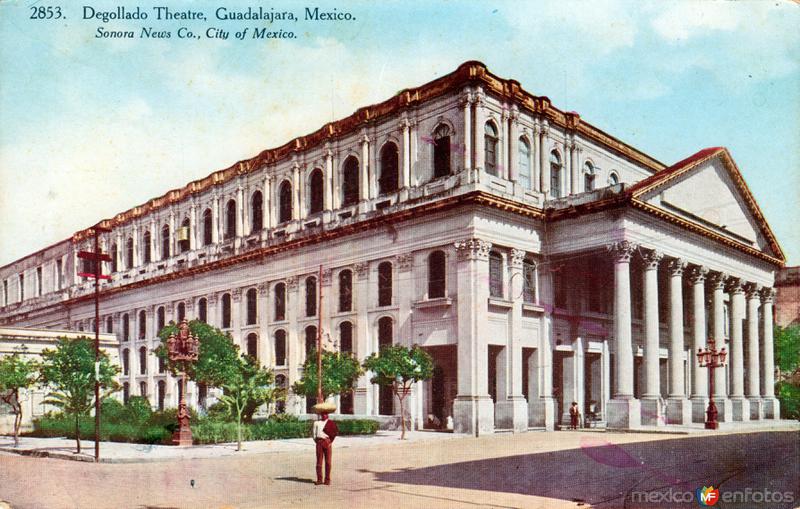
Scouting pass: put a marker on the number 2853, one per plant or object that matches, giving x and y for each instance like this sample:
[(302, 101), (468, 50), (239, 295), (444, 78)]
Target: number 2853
[(46, 12)]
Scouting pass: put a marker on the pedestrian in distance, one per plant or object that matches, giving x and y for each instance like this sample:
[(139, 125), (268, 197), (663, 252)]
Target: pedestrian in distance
[(574, 415), (324, 433)]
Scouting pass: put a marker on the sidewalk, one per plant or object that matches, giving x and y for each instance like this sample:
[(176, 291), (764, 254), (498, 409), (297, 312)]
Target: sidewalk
[(117, 452)]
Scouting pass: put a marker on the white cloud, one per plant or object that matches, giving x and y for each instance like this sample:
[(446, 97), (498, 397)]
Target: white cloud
[(683, 20)]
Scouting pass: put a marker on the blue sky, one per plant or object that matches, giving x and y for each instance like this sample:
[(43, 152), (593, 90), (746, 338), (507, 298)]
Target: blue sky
[(91, 127)]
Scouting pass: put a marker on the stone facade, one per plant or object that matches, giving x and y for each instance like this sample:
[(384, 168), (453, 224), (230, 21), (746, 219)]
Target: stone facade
[(537, 258)]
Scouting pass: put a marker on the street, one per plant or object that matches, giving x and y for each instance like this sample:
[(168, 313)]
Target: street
[(537, 469)]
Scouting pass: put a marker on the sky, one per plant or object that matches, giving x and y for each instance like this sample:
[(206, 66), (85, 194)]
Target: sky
[(92, 126)]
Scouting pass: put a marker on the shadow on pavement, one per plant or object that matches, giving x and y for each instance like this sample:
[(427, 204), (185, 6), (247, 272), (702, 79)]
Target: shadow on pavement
[(604, 474), (295, 479)]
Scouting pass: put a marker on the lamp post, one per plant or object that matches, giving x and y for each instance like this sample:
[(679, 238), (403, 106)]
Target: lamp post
[(183, 349), (711, 358)]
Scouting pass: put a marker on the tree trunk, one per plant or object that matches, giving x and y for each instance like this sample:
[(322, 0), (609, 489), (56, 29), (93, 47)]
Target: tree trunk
[(401, 396), (17, 418), (239, 430), (78, 433)]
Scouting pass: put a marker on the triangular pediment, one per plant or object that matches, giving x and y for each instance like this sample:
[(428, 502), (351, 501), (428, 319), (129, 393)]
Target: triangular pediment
[(708, 191)]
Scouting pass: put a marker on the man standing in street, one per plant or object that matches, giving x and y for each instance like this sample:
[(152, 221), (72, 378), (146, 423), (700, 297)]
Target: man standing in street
[(324, 433)]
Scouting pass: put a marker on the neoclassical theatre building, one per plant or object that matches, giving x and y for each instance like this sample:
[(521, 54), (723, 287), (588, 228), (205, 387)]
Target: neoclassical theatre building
[(537, 258)]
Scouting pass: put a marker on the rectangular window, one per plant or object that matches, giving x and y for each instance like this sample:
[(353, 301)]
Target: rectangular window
[(59, 274), (5, 292), (496, 275), (529, 281), (491, 156), (39, 281), (560, 290), (21, 287)]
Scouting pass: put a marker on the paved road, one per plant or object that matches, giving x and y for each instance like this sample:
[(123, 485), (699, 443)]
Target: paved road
[(531, 470)]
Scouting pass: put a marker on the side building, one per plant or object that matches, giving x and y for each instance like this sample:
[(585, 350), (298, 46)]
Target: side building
[(537, 258)]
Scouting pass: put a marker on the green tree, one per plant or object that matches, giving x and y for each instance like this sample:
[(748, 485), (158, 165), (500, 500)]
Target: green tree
[(217, 355), (247, 386), (787, 360), (400, 367), (69, 371), (17, 373), (340, 371)]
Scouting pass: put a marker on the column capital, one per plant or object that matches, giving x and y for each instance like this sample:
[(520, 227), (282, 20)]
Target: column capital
[(404, 261), (473, 249), (212, 299), (697, 274), (236, 294), (621, 251), (365, 139), (467, 99), (734, 285), (263, 289), (752, 290), (361, 269), (292, 283), (767, 295), (326, 276), (717, 280), (169, 307), (651, 259), (517, 257), (675, 266)]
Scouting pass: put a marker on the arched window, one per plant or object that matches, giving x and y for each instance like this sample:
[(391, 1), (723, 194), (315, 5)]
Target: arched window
[(207, 227), (143, 360), (495, 274), (109, 325), (162, 394), (311, 340), (126, 392), (126, 362), (252, 306), (436, 275), (385, 284), (257, 212), (226, 311), (345, 337), (280, 302), (316, 192), (252, 345), (613, 178), (524, 163), (588, 176), (350, 181), (129, 253), (285, 202), (202, 310), (555, 174), (280, 383), (113, 254), (529, 281), (387, 182), (181, 311), (490, 148), (441, 151), (183, 238), (142, 324), (280, 347), (230, 219), (162, 364), (385, 339), (146, 241), (126, 327), (165, 250), (311, 296), (345, 290), (161, 317), (143, 389)]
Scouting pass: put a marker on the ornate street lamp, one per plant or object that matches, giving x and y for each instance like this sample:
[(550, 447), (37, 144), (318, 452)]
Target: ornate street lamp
[(183, 349), (711, 358)]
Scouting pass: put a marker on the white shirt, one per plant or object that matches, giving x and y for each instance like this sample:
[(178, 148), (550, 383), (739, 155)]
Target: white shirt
[(317, 429)]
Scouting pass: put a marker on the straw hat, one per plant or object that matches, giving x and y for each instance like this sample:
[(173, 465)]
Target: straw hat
[(326, 407)]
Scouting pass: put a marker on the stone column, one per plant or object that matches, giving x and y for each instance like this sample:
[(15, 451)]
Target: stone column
[(512, 144), (295, 191), (502, 147), (679, 409), (478, 130), (193, 230), (697, 276), (753, 362), (542, 410), (511, 409), (473, 409), (406, 154), (573, 168), (265, 354), (302, 209), (466, 105), (723, 404), (172, 246), (328, 196), (403, 297), (136, 258), (740, 405), (651, 406), (771, 404), (544, 164), (213, 316), (363, 184), (361, 333), (215, 218), (536, 168), (266, 209), (239, 209), (624, 411), (236, 315)]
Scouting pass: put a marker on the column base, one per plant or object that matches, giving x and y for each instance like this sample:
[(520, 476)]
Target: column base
[(724, 409), (756, 408), (699, 407), (624, 413), (542, 413), (473, 415), (772, 408), (741, 409), (679, 411), (652, 412), (511, 413), (360, 401)]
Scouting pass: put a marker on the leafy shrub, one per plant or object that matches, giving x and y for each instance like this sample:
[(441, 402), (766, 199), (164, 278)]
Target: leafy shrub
[(284, 418), (215, 432), (137, 411), (219, 412), (112, 410), (357, 427), (273, 430)]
